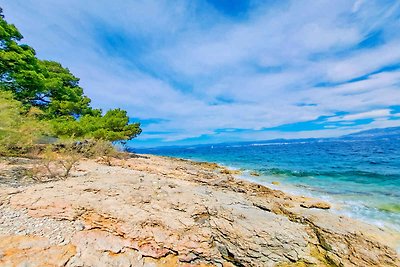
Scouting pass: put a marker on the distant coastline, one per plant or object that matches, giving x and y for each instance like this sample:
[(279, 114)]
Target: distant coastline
[(372, 134)]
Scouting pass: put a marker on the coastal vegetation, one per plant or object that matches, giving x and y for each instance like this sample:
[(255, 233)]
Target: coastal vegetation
[(41, 102)]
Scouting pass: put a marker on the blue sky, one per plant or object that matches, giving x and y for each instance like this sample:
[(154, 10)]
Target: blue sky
[(217, 71)]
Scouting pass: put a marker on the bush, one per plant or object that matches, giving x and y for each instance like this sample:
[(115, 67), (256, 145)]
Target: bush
[(19, 130), (58, 160), (113, 126)]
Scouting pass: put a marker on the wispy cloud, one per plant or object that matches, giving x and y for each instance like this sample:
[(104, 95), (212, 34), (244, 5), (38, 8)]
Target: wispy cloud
[(190, 70), (373, 114)]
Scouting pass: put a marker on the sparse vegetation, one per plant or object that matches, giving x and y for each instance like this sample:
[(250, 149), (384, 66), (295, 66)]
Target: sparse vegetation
[(105, 151), (57, 161), (19, 130)]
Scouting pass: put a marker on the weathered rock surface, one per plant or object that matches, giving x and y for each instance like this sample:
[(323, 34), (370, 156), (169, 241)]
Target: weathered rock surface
[(155, 211)]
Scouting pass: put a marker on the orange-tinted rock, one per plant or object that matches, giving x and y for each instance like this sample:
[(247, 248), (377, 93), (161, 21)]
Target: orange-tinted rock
[(100, 240), (316, 205), (254, 174), (227, 171), (33, 251)]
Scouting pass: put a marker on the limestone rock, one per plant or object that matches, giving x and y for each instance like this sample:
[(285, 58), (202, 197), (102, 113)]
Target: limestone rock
[(33, 251), (156, 211), (316, 205)]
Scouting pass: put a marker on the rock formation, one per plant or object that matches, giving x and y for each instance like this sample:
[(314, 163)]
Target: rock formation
[(157, 211)]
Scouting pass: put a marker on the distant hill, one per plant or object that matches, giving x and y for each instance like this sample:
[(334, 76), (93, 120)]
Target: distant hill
[(392, 132), (373, 134)]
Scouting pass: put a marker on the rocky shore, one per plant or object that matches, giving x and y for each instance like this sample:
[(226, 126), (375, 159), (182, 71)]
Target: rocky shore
[(158, 211)]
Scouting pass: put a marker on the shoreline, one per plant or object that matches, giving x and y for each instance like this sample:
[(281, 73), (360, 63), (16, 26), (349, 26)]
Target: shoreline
[(170, 212), (335, 207), (338, 205)]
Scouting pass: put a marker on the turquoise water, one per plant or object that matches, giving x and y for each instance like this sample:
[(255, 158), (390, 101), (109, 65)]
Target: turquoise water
[(362, 177)]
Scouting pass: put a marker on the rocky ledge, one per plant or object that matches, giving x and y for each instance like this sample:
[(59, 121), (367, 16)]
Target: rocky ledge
[(156, 211)]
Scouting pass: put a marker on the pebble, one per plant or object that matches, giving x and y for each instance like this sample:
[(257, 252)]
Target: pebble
[(79, 226), (18, 222)]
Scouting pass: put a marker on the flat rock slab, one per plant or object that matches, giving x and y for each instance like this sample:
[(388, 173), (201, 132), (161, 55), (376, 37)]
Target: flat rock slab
[(157, 211)]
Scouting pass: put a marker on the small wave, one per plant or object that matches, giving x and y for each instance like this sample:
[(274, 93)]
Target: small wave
[(303, 173)]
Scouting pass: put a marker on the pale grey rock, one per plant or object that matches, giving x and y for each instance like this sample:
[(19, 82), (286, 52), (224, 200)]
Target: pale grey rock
[(156, 211)]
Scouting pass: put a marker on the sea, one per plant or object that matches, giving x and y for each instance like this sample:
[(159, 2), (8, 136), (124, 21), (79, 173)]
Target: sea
[(360, 177)]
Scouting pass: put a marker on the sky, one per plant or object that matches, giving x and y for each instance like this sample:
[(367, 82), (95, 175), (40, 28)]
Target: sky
[(219, 71)]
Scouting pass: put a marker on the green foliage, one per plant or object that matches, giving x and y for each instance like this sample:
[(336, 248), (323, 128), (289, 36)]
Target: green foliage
[(113, 126), (44, 84), (18, 131), (61, 95), (41, 83), (49, 87)]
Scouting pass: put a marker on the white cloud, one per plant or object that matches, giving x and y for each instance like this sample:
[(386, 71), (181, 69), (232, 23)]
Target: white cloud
[(198, 71), (379, 90), (357, 4), (364, 62), (373, 114)]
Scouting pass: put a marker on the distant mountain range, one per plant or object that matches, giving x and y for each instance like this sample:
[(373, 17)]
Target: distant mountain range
[(392, 133), (382, 133)]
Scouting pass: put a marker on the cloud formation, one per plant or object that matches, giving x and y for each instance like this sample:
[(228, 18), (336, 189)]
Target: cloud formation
[(202, 71)]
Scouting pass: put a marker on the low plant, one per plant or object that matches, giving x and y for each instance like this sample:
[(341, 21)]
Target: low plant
[(19, 129), (56, 162), (104, 151)]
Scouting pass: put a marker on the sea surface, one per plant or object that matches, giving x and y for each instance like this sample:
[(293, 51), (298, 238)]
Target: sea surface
[(361, 177)]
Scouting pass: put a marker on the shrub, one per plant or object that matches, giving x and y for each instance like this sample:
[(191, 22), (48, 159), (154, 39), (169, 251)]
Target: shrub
[(19, 130)]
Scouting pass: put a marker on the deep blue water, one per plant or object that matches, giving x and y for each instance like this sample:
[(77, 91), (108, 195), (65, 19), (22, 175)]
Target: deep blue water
[(362, 177)]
